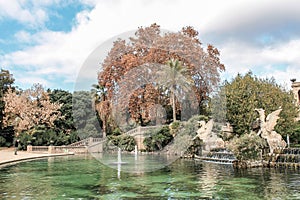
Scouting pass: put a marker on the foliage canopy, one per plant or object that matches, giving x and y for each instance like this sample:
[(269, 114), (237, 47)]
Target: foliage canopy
[(151, 47), (245, 93)]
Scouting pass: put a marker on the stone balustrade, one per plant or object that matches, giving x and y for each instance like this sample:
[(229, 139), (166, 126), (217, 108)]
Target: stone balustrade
[(56, 149)]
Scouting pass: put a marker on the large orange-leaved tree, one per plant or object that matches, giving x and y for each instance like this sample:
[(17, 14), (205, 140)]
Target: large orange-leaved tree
[(151, 47)]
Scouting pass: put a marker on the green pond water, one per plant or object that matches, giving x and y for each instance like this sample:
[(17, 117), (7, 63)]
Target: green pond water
[(84, 177)]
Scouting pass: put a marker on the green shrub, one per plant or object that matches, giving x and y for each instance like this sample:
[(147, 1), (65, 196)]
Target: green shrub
[(2, 141), (44, 136), (294, 134), (195, 147), (8, 134), (116, 132), (25, 139), (125, 142), (175, 125), (247, 146), (158, 140)]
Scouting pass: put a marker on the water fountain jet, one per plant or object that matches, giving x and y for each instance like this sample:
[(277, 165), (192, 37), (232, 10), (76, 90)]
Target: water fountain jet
[(135, 152), (119, 161)]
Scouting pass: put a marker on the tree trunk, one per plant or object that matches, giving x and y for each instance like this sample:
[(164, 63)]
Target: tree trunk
[(174, 106), (104, 129)]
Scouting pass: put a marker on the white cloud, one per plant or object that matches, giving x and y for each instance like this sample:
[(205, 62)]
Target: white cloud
[(285, 52), (23, 37), (19, 11), (34, 13), (30, 80), (231, 25), (248, 19), (284, 76), (280, 61)]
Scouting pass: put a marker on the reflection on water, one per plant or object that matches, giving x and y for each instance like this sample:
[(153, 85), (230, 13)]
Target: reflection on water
[(133, 163), (80, 177)]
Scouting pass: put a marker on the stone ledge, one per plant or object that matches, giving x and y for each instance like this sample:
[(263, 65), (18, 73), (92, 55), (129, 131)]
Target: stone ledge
[(28, 157)]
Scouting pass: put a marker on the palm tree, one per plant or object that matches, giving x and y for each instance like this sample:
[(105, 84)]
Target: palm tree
[(99, 93), (174, 77), (101, 105)]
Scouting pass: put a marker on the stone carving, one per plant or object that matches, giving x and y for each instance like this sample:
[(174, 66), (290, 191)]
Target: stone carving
[(210, 139), (267, 132), (205, 129)]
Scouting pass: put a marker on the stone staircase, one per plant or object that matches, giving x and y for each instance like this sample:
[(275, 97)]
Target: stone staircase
[(97, 144), (141, 130), (90, 141), (91, 144), (140, 133)]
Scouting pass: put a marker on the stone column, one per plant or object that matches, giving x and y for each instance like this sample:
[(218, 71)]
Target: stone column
[(29, 148), (296, 91), (139, 140), (51, 149), (90, 141)]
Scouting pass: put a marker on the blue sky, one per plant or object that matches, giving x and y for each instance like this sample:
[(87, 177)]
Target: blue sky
[(49, 41)]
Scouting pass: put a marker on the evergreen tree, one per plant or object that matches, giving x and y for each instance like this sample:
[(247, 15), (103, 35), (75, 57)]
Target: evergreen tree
[(245, 93), (65, 98), (6, 133), (6, 81)]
